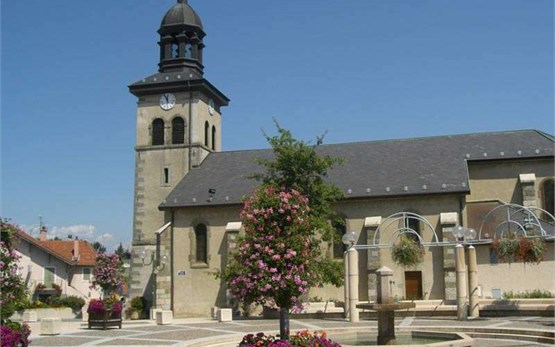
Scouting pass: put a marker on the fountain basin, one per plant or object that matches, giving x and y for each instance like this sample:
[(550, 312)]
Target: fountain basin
[(386, 307), (413, 339)]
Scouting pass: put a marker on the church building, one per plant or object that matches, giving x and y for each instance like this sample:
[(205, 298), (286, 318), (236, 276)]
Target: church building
[(188, 193)]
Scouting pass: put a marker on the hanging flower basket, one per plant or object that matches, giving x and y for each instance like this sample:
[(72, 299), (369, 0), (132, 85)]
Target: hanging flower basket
[(407, 252), (512, 249)]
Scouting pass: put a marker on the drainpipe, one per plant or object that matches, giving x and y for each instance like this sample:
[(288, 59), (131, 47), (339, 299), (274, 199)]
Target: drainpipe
[(190, 125)]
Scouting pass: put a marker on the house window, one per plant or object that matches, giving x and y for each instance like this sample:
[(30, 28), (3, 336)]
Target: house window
[(338, 246), (213, 138), (157, 132), (547, 197), (206, 131), (86, 274), (178, 130), (201, 244), (49, 276)]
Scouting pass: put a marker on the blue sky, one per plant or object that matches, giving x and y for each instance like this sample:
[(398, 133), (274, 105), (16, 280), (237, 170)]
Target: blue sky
[(359, 69)]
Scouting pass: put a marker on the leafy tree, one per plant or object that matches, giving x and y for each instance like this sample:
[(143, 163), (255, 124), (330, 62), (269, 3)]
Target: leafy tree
[(298, 166), (99, 247), (122, 252)]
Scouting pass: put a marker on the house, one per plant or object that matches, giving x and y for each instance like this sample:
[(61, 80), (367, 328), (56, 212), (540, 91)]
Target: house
[(49, 264), (188, 193)]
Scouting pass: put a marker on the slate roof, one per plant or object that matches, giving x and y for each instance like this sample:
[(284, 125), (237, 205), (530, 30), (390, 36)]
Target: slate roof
[(414, 166), (63, 250)]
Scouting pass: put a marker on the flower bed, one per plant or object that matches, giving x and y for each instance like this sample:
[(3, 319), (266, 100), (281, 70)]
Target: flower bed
[(301, 339)]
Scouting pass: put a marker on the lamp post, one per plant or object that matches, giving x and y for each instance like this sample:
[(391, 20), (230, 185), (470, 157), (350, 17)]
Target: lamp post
[(159, 265), (351, 276), (466, 235)]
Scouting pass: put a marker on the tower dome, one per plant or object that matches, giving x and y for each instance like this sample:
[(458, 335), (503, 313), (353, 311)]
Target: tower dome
[(181, 14), (181, 35)]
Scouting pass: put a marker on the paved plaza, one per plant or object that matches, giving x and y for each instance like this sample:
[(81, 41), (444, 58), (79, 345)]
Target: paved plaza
[(207, 332)]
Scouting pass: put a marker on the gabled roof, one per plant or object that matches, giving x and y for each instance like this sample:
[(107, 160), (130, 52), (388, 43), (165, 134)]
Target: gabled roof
[(63, 250), (430, 165)]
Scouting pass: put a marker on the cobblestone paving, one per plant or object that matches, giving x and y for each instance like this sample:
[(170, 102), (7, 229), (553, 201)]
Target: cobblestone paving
[(188, 332)]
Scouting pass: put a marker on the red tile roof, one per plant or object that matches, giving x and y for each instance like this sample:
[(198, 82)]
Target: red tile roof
[(63, 250)]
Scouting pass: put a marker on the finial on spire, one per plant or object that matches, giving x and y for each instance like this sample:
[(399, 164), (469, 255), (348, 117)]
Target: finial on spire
[(182, 2)]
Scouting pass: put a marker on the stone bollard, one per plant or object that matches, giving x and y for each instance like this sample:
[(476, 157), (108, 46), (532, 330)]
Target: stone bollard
[(225, 315), (164, 317), (153, 312), (50, 326)]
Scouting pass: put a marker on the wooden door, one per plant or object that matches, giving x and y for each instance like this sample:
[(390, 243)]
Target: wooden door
[(413, 285)]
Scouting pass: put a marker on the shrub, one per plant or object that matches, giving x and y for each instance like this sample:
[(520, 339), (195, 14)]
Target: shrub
[(407, 252), (74, 302), (528, 294), (137, 303)]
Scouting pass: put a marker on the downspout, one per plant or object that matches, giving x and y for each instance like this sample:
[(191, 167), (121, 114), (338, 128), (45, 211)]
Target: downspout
[(190, 164), (172, 245)]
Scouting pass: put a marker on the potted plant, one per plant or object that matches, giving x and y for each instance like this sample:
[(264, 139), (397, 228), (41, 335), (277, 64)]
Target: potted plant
[(135, 309), (506, 248), (108, 275), (105, 313), (407, 252)]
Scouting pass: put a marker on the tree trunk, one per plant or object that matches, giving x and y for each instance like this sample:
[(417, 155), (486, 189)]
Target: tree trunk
[(283, 323)]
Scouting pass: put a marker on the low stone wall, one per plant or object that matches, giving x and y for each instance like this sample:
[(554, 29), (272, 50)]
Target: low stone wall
[(62, 313)]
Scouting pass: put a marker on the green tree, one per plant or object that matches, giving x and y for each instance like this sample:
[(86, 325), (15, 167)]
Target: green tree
[(297, 165), (122, 252), (99, 248)]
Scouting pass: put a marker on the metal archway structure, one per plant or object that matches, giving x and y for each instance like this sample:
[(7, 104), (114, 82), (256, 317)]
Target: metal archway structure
[(398, 224), (516, 219)]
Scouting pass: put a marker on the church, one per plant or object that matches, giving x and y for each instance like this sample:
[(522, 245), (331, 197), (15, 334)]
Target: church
[(188, 194)]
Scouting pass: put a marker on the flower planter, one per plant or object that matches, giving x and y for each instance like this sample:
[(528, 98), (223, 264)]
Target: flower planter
[(105, 319)]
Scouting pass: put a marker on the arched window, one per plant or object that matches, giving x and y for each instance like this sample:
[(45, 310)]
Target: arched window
[(201, 244), (213, 138), (547, 196), (175, 50), (178, 130), (206, 131), (157, 132), (338, 246), (411, 222)]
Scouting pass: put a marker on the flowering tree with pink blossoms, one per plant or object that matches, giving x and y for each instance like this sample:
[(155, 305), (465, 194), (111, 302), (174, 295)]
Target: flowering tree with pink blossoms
[(14, 292), (273, 264), (108, 272)]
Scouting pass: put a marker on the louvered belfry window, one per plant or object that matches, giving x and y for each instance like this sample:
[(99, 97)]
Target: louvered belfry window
[(178, 130), (157, 132)]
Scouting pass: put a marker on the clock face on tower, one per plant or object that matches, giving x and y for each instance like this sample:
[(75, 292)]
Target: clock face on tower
[(167, 101)]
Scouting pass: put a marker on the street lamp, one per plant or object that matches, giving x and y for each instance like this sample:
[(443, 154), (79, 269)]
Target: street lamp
[(466, 235), (351, 276)]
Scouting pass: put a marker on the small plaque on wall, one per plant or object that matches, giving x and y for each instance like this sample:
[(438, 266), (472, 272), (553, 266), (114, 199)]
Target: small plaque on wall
[(181, 273)]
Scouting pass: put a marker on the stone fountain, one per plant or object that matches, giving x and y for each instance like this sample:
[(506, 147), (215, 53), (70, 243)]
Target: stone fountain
[(385, 306)]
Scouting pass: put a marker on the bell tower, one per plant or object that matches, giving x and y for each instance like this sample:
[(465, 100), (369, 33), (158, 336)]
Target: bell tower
[(178, 125)]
